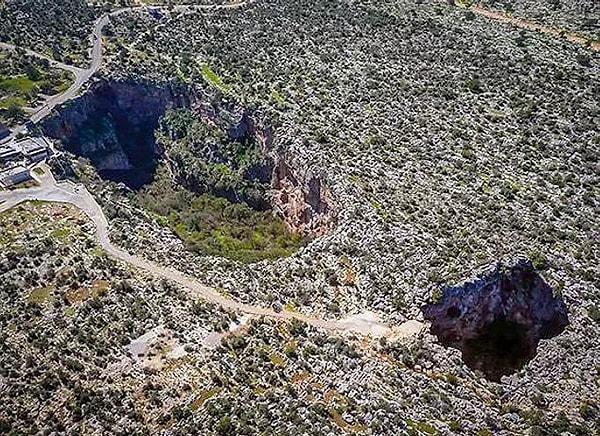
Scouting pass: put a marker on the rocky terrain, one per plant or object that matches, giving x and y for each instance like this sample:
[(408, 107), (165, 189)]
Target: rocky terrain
[(472, 170), (215, 148), (59, 28), (91, 347), (113, 125), (581, 16), (417, 144), (498, 321)]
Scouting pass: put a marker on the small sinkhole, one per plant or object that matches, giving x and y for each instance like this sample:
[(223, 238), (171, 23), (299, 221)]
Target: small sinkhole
[(498, 319)]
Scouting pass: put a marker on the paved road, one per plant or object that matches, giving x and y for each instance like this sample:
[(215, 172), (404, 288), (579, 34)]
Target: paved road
[(83, 75), (66, 192)]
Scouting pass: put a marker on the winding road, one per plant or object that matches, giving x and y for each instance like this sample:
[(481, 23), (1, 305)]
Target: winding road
[(83, 75), (77, 195), (531, 25), (66, 192)]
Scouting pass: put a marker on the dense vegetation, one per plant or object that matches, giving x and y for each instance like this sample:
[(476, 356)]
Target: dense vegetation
[(215, 226), (451, 141), (70, 316), (22, 79), (216, 155), (212, 189), (59, 29)]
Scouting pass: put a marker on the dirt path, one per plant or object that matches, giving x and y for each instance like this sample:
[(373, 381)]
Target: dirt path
[(366, 323), (531, 25)]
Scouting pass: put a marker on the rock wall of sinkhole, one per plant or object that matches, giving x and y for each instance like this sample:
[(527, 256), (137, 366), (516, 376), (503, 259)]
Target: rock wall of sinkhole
[(498, 319), (113, 124)]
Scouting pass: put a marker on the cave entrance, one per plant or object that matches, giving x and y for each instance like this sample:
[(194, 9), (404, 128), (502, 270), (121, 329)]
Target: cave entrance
[(113, 126), (502, 347), (498, 319)]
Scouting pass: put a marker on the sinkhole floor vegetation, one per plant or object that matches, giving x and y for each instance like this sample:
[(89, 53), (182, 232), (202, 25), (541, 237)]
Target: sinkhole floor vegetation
[(215, 226)]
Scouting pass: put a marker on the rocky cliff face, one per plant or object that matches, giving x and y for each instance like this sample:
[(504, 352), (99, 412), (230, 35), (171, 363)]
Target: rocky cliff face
[(498, 320), (304, 203), (113, 125)]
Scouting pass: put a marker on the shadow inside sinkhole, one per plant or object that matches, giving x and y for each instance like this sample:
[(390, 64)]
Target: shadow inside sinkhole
[(498, 319)]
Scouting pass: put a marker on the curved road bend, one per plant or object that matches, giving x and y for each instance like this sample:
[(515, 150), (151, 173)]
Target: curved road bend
[(80, 197), (66, 192), (82, 75)]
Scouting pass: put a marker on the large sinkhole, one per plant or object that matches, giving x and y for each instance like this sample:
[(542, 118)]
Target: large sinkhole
[(203, 165), (113, 125), (498, 319)]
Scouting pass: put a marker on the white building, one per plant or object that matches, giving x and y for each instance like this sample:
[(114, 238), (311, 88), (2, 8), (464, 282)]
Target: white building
[(35, 149), (14, 176), (8, 153)]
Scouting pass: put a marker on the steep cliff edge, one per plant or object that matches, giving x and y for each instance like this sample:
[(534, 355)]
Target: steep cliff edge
[(113, 125), (304, 203), (498, 319), (210, 146)]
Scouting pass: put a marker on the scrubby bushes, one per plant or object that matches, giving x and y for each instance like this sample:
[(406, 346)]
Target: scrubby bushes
[(216, 226)]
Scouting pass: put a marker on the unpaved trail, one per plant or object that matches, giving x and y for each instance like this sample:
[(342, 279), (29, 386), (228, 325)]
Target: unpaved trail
[(66, 192), (531, 25)]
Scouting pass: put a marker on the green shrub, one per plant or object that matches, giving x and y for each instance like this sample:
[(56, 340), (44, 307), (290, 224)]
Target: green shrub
[(215, 226)]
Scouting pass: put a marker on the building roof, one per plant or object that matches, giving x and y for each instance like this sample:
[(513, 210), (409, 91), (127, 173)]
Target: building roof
[(33, 145), (13, 171), (8, 151)]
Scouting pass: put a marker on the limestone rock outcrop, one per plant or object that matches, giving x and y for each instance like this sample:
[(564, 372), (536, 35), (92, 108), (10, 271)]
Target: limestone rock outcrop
[(304, 203), (114, 123)]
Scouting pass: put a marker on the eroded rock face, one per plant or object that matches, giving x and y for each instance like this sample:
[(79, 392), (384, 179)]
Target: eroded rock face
[(498, 319), (113, 125), (305, 204)]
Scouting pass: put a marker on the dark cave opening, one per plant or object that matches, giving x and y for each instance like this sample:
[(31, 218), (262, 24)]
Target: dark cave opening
[(453, 312), (113, 125), (502, 347), (175, 146), (498, 319), (139, 146)]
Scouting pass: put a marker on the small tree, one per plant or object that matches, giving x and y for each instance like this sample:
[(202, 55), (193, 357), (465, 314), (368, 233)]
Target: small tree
[(15, 113)]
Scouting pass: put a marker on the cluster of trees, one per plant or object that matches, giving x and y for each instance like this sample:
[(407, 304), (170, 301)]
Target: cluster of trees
[(57, 348), (212, 188), (446, 132), (216, 226), (204, 158), (451, 141), (22, 79), (59, 28)]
